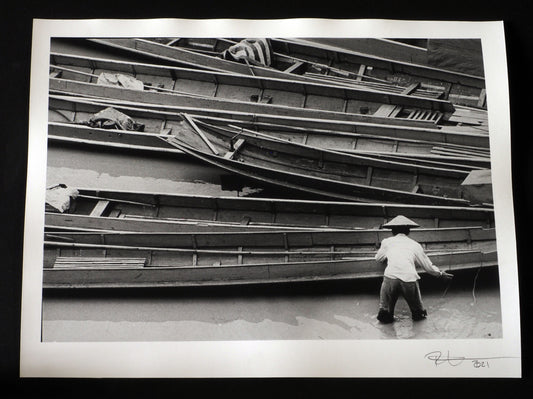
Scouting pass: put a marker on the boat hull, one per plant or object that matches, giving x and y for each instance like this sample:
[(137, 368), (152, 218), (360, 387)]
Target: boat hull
[(74, 108), (329, 174), (151, 212), (362, 103), (64, 278), (298, 55)]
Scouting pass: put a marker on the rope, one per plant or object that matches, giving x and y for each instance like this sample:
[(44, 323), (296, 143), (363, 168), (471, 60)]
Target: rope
[(474, 286), (237, 135), (447, 287), (249, 67), (449, 281)]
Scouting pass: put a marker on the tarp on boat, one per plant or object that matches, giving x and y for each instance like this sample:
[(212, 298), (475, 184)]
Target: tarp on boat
[(58, 197), (256, 51), (118, 79), (110, 118)]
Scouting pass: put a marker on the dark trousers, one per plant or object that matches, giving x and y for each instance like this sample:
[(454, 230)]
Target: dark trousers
[(391, 289)]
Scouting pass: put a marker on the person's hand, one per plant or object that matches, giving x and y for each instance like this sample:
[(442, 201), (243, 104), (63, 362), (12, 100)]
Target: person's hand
[(446, 276)]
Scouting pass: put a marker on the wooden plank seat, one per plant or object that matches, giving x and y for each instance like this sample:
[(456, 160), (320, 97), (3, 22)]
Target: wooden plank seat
[(388, 110), (411, 88), (115, 213), (82, 262), (295, 66), (236, 147), (100, 208)]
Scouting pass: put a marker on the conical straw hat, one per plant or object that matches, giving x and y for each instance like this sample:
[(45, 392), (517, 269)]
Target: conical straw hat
[(400, 220)]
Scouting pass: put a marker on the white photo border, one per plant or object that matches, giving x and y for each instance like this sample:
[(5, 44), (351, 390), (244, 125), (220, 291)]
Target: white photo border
[(309, 358)]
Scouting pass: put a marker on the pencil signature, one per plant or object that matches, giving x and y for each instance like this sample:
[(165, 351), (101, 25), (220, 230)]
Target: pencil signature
[(439, 358)]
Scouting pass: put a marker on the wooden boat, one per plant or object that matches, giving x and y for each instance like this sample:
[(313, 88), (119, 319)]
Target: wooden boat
[(326, 173), (78, 134), (383, 148), (460, 88), (87, 273), (194, 54), (158, 119), (314, 60), (168, 259), (418, 152), (324, 62), (297, 244), (140, 211), (206, 89)]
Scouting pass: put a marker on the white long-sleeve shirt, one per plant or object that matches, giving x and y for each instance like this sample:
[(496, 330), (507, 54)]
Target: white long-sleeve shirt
[(403, 254)]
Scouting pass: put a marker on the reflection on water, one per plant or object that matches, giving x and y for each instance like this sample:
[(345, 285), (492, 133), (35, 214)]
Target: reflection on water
[(346, 311), (79, 167), (92, 167), (456, 316)]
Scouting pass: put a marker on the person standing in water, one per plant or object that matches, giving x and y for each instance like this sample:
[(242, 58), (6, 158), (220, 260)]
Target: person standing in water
[(402, 255)]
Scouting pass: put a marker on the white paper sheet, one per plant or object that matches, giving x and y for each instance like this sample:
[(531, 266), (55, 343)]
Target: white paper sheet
[(292, 358)]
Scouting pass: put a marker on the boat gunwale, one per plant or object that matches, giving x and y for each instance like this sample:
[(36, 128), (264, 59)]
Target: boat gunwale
[(350, 53), (217, 105), (232, 253), (281, 264), (176, 111), (342, 232), (335, 156), (411, 68), (445, 161), (237, 167), (336, 273), (276, 204), (296, 86), (127, 140)]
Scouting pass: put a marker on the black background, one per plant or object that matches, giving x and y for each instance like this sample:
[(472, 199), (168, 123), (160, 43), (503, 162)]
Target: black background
[(15, 49)]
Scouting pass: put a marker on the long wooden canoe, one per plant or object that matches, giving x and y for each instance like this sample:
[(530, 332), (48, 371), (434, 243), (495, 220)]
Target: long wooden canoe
[(418, 152), (192, 53), (268, 245), (86, 273), (328, 54), (296, 56), (458, 86), (331, 174), (159, 212), (157, 118), (335, 64), (142, 259), (79, 75), (384, 148)]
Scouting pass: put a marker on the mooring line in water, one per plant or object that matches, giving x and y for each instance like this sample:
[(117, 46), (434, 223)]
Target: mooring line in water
[(446, 289), (449, 281), (474, 286)]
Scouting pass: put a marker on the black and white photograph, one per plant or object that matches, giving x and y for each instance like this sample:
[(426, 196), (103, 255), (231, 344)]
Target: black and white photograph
[(247, 192)]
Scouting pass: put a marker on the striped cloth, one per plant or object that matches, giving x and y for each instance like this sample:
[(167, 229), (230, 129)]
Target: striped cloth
[(255, 51)]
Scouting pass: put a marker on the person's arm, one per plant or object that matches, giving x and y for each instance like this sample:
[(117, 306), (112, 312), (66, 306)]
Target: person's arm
[(381, 255), (422, 260)]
